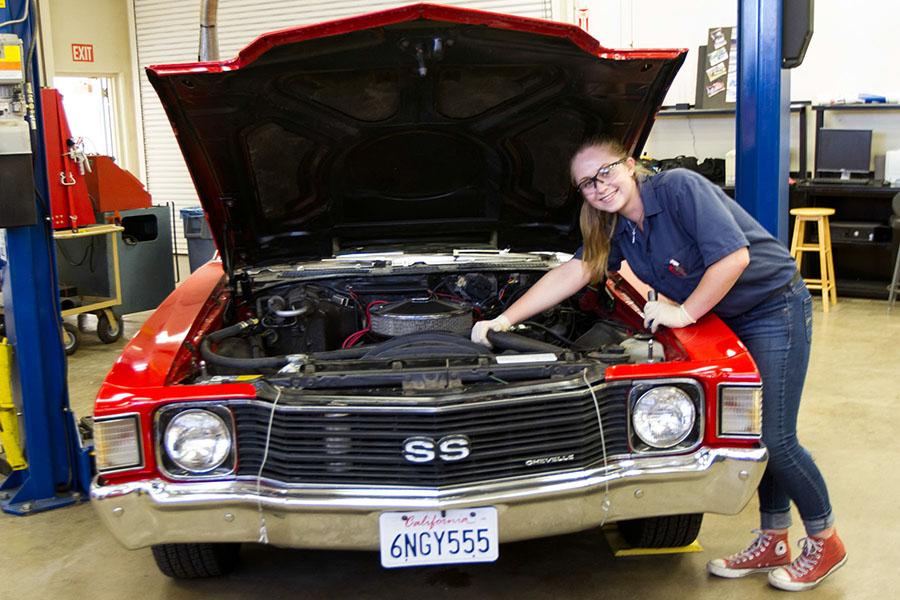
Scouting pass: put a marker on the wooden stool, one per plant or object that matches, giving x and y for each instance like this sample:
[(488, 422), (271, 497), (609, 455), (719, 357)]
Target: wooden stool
[(819, 216)]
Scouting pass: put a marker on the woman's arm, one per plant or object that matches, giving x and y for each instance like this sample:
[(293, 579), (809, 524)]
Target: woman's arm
[(555, 286), (718, 279)]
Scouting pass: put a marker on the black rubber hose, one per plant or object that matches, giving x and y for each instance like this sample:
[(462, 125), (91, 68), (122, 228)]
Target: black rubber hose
[(560, 338), (505, 340), (446, 340), (416, 345), (500, 340), (210, 356)]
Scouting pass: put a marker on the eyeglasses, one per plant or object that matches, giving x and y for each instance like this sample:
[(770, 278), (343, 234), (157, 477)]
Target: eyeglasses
[(589, 184)]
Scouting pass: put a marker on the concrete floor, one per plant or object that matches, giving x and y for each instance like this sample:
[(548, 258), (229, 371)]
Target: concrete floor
[(848, 421)]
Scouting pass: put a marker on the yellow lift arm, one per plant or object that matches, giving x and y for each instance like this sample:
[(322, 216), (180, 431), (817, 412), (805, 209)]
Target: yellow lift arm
[(9, 420)]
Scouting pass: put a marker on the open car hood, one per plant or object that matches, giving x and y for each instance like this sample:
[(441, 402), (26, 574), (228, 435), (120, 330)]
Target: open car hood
[(422, 125)]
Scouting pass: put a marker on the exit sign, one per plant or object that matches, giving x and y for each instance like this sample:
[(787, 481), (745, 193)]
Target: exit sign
[(82, 52)]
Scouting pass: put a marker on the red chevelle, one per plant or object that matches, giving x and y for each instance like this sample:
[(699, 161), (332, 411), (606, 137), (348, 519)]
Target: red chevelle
[(374, 186)]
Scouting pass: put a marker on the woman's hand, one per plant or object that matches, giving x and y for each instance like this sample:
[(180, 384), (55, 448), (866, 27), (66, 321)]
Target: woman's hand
[(553, 287), (662, 313), (481, 328)]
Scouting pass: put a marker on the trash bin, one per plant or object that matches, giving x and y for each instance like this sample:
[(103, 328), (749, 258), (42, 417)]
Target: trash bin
[(199, 239)]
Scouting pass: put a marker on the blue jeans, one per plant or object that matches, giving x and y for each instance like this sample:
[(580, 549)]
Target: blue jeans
[(778, 333)]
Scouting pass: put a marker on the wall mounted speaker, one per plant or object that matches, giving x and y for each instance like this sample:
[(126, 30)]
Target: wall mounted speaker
[(796, 31)]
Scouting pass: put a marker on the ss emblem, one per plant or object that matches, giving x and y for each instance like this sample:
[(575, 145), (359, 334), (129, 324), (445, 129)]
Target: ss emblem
[(422, 449)]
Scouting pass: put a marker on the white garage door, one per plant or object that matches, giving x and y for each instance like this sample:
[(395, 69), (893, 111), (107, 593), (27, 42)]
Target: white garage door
[(168, 32)]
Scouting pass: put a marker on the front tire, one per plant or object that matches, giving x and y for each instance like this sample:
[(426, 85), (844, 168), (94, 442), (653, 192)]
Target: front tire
[(196, 561), (661, 532)]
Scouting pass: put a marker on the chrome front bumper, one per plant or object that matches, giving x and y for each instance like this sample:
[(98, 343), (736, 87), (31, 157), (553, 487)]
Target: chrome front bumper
[(143, 513)]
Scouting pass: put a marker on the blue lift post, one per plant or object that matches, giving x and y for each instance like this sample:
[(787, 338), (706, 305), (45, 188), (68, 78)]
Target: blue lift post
[(58, 471), (763, 112)]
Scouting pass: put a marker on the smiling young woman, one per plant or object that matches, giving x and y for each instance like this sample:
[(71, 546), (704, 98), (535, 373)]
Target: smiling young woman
[(681, 235), (607, 179)]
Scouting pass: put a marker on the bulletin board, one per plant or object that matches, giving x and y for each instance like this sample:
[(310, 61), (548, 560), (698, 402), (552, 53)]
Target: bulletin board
[(717, 69)]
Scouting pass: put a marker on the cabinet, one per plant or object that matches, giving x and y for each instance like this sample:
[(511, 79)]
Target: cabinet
[(863, 268)]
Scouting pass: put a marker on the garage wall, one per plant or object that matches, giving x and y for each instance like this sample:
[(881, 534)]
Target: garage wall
[(103, 23), (852, 51), (168, 32)]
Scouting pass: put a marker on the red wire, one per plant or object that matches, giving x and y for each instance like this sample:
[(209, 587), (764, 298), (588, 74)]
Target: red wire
[(356, 336)]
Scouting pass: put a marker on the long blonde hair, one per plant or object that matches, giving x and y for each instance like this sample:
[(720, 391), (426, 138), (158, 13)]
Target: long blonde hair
[(597, 226)]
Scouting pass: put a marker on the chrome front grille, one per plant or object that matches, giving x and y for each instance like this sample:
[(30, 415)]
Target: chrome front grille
[(352, 446)]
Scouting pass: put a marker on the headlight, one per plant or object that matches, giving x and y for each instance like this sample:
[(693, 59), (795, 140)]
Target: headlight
[(197, 440), (740, 411), (117, 443), (663, 416)]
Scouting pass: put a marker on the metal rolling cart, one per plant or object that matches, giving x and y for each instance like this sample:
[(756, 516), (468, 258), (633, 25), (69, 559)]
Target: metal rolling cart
[(104, 285)]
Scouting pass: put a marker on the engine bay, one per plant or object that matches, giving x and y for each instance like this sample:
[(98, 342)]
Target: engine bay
[(352, 331)]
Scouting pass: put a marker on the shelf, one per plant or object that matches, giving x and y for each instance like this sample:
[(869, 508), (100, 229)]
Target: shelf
[(670, 111), (862, 244), (863, 268), (864, 288), (845, 189), (799, 107), (857, 106), (673, 112), (86, 231), (91, 304)]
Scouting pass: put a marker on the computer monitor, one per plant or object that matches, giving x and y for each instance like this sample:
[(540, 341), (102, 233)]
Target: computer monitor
[(840, 151)]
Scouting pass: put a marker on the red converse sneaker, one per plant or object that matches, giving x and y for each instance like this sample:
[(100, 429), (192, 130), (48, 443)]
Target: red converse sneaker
[(768, 551), (820, 558)]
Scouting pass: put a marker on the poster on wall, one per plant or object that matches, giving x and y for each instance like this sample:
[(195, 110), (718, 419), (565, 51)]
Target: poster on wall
[(717, 69)]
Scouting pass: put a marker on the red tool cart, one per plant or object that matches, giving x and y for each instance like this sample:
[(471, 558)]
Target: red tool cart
[(75, 225)]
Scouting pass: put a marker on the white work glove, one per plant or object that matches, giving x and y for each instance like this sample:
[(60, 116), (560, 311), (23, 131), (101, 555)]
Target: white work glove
[(663, 313), (481, 328)]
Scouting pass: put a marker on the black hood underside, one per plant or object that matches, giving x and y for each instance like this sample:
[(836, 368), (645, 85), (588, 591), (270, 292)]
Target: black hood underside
[(418, 131)]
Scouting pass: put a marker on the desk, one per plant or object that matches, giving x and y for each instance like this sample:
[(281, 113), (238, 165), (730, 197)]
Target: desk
[(821, 109), (863, 269)]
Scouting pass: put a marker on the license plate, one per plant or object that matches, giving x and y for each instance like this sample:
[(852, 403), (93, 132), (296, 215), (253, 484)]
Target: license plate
[(410, 539)]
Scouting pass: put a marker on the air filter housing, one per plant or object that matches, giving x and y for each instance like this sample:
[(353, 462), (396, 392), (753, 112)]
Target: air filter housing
[(416, 315)]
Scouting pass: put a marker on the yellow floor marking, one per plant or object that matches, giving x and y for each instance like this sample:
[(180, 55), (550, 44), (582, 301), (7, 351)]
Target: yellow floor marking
[(621, 548)]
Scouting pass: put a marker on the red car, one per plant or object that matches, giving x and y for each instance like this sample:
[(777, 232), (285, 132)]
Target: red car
[(374, 186)]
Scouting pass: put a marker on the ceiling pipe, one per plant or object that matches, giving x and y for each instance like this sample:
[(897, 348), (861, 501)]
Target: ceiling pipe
[(209, 39)]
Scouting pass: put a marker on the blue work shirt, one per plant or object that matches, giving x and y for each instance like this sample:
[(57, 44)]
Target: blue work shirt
[(689, 224)]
